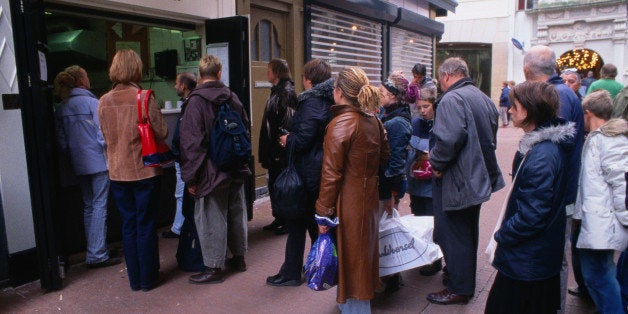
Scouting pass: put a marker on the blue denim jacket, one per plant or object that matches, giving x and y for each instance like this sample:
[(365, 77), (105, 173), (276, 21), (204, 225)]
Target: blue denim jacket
[(78, 132)]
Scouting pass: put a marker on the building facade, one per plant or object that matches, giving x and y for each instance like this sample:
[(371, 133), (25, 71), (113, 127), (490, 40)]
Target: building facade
[(483, 32), (40, 204)]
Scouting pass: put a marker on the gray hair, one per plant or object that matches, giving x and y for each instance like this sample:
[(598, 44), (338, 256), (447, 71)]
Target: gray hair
[(540, 60), (599, 103), (570, 72), (455, 66), (428, 93)]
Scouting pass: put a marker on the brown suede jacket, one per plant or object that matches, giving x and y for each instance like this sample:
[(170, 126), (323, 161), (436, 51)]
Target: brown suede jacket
[(117, 113)]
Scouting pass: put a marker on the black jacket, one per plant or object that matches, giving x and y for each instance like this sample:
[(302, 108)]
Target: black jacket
[(278, 112), (307, 131)]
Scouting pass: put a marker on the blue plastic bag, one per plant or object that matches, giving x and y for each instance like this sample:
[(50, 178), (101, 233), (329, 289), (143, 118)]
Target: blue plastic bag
[(321, 265)]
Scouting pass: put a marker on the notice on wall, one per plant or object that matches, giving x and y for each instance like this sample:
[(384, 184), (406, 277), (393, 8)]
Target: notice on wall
[(43, 66), (221, 50)]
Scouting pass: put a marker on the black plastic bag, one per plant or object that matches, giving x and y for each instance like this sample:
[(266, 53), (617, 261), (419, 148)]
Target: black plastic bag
[(289, 192)]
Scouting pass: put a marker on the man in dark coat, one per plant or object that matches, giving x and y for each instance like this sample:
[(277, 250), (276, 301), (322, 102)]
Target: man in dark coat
[(504, 104), (465, 174), (219, 208)]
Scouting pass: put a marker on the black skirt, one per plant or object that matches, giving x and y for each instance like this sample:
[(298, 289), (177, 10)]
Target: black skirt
[(515, 296)]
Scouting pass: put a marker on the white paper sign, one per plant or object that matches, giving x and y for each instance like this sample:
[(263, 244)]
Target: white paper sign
[(43, 67), (221, 50)]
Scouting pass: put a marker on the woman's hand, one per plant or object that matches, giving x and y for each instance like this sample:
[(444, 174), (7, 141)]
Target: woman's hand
[(388, 205), (322, 229), (283, 140)]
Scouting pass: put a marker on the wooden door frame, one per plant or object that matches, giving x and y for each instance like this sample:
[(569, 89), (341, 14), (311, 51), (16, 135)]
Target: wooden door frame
[(294, 36)]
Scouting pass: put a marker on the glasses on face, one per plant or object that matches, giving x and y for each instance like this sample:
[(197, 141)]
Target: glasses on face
[(570, 81)]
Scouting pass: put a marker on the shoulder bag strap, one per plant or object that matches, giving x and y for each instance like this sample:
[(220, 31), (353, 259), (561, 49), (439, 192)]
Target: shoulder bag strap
[(139, 105)]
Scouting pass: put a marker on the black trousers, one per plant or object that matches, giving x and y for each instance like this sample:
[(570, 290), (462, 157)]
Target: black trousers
[(273, 172), (295, 245), (515, 296), (575, 255), (457, 234)]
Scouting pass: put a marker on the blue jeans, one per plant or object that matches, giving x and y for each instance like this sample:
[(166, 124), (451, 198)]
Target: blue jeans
[(138, 203), (178, 195), (599, 273), (355, 306), (95, 190)]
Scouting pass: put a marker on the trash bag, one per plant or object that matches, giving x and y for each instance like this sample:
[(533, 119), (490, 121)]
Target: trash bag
[(321, 266)]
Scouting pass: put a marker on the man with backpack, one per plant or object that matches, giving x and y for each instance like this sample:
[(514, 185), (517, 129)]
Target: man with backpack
[(217, 186)]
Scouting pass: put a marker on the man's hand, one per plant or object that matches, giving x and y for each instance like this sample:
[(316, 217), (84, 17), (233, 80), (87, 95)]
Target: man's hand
[(192, 190), (437, 174)]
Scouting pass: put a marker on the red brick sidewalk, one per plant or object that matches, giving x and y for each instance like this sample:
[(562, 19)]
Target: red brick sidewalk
[(107, 290)]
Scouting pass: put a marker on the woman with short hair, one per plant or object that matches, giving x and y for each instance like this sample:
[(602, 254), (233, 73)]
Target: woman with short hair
[(531, 238), (304, 138), (135, 188)]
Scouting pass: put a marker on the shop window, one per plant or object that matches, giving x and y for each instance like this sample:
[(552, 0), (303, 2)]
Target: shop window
[(345, 40), (265, 45), (91, 43), (525, 5), (478, 58)]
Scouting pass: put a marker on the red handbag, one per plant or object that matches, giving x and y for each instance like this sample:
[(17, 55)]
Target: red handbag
[(154, 153)]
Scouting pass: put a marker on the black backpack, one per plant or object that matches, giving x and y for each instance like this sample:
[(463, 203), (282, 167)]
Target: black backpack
[(229, 144)]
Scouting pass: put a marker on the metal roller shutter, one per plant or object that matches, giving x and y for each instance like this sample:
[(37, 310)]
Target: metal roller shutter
[(345, 40), (408, 48)]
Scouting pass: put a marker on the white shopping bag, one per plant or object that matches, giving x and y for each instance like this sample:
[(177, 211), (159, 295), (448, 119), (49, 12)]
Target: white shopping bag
[(401, 248)]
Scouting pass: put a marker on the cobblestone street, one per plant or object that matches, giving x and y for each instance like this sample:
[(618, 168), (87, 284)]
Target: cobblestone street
[(107, 290)]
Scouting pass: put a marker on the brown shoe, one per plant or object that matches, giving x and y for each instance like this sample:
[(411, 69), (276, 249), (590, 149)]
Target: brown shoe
[(209, 275), (237, 263), (445, 297)]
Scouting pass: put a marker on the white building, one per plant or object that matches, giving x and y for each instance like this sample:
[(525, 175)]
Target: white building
[(563, 25)]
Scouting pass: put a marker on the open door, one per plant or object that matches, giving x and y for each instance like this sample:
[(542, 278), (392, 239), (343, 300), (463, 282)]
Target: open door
[(229, 39), (38, 124)]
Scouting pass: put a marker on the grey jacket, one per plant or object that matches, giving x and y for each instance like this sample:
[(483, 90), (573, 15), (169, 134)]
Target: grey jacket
[(78, 132), (464, 143)]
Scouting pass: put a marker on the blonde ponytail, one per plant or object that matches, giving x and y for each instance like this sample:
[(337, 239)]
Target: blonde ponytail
[(368, 98)]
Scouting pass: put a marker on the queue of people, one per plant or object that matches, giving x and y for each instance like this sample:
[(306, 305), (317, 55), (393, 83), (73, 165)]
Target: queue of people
[(358, 150)]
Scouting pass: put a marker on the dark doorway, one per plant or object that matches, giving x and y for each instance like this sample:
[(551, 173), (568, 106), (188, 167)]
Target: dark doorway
[(478, 58)]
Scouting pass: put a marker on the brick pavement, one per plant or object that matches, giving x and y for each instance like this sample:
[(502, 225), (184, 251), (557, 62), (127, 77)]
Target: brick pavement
[(107, 290)]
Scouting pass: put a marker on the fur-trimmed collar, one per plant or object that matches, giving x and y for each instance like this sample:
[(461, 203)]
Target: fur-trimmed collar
[(614, 127), (559, 133), (323, 90)]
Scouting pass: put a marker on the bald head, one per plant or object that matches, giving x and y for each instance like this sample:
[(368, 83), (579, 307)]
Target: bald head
[(539, 63)]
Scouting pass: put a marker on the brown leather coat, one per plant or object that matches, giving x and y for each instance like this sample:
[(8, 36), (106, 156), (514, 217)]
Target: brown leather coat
[(355, 146), (117, 114)]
